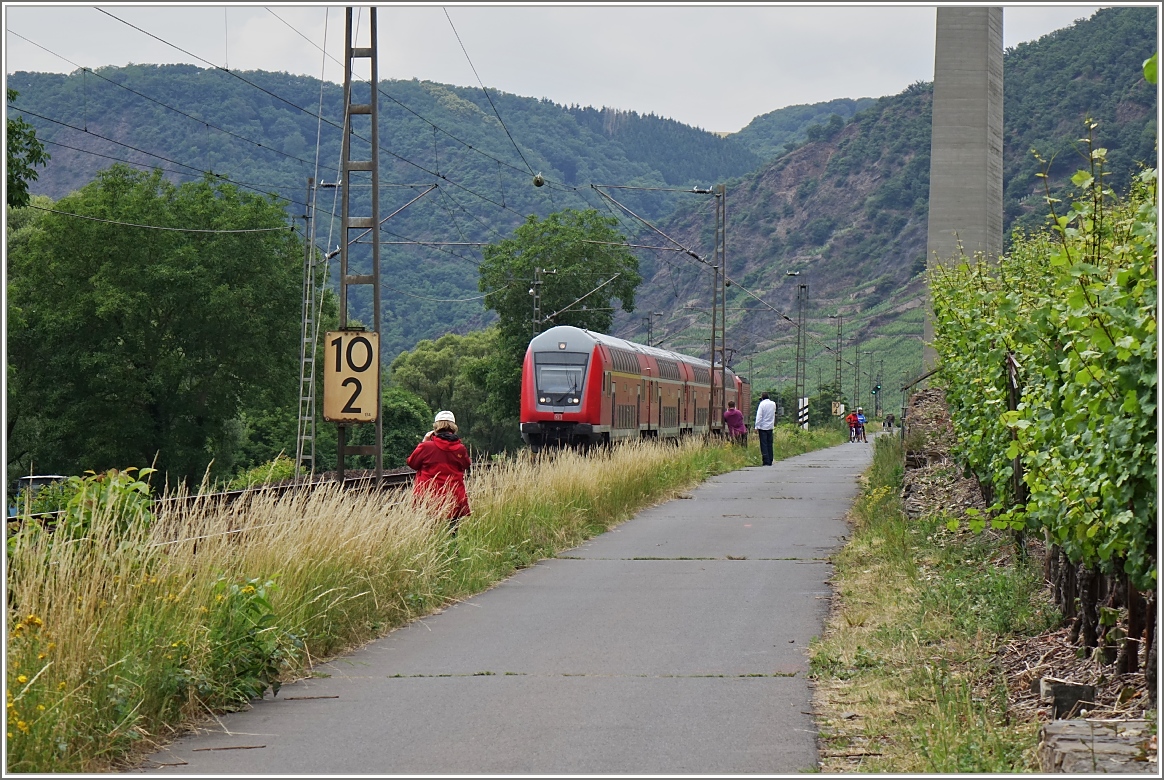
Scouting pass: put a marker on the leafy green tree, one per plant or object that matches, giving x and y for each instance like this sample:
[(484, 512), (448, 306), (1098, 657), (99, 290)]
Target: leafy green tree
[(128, 343), (587, 266), (406, 419), (447, 373), (24, 153)]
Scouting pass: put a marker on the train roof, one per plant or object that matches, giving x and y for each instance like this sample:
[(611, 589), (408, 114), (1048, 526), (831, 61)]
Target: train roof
[(549, 340)]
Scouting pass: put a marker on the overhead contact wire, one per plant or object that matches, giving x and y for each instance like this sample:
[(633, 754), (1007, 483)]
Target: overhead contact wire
[(418, 166)]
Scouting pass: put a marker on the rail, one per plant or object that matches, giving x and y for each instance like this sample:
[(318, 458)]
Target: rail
[(389, 480)]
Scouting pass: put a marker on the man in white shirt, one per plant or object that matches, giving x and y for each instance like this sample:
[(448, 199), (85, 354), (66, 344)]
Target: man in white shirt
[(765, 422)]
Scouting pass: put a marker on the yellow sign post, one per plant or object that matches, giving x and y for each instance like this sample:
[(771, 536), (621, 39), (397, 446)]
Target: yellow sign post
[(351, 376)]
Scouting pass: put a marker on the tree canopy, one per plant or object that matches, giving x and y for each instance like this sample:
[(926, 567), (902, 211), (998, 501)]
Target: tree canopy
[(127, 343), (586, 266), (24, 153)]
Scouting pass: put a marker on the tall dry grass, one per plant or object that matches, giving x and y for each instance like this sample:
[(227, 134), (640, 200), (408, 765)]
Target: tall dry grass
[(119, 637)]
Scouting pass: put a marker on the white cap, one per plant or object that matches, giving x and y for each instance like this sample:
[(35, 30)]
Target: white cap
[(445, 416), (859, 409)]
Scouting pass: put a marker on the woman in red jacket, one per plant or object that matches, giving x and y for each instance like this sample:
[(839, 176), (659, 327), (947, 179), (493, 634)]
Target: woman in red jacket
[(440, 462)]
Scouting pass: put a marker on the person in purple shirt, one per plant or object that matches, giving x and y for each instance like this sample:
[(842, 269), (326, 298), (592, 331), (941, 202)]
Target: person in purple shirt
[(734, 419)]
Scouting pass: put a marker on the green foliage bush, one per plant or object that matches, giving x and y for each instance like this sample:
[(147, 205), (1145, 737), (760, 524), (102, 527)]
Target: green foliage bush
[(277, 470), (1074, 309), (247, 650)]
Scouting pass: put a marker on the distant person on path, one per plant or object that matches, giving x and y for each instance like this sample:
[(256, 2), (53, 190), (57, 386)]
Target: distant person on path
[(861, 424), (440, 462), (889, 420), (852, 421), (765, 422), (734, 419)]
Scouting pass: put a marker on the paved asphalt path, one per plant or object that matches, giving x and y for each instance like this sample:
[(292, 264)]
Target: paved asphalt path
[(673, 644)]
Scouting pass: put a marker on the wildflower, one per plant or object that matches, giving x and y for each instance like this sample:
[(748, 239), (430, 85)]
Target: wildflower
[(52, 646), (61, 685), (175, 644), (10, 735), (33, 620), (40, 707), (22, 726), (22, 679), (41, 656), (249, 589), (203, 610)]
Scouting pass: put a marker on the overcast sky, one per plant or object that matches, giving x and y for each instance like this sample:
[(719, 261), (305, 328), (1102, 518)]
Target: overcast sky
[(714, 67)]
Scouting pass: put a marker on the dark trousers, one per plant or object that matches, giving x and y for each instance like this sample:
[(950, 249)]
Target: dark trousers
[(765, 445)]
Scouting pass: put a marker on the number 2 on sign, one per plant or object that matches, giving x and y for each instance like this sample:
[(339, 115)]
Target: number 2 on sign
[(350, 377)]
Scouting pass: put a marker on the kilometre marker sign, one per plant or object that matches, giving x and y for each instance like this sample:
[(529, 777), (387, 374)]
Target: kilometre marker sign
[(351, 374)]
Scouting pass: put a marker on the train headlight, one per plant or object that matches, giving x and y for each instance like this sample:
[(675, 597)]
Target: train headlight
[(542, 401), (573, 400)]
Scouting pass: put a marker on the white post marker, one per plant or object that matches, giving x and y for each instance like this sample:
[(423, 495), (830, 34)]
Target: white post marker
[(351, 376)]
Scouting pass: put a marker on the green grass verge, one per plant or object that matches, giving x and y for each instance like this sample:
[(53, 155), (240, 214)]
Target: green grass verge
[(905, 682), (119, 636)]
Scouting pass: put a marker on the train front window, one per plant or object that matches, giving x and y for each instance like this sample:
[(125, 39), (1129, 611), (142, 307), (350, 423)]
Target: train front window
[(560, 377)]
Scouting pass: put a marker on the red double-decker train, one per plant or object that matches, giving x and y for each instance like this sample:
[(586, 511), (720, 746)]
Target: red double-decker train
[(582, 388)]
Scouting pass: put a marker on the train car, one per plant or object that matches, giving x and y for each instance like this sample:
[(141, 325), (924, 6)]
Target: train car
[(583, 388)]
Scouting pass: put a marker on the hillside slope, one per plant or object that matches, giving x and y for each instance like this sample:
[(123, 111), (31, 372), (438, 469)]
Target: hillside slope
[(848, 211), (262, 134), (771, 135)]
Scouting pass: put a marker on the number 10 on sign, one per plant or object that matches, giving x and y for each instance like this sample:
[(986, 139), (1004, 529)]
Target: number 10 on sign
[(351, 376)]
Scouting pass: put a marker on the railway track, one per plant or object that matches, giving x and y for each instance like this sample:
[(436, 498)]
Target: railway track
[(391, 479)]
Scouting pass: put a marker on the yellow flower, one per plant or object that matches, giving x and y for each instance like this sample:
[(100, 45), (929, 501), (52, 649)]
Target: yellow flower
[(52, 646), (41, 656), (203, 610), (248, 589), (22, 726), (22, 679), (62, 685), (40, 707), (33, 620), (10, 735)]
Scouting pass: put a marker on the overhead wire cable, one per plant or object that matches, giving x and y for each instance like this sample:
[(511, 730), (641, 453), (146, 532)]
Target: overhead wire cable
[(691, 253), (162, 104), (487, 95), (432, 124), (143, 151), (405, 106), (471, 215), (252, 184), (310, 113), (160, 227)]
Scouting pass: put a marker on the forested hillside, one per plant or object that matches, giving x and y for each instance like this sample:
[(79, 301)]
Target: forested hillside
[(772, 134), (262, 134), (848, 210), (842, 201)]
